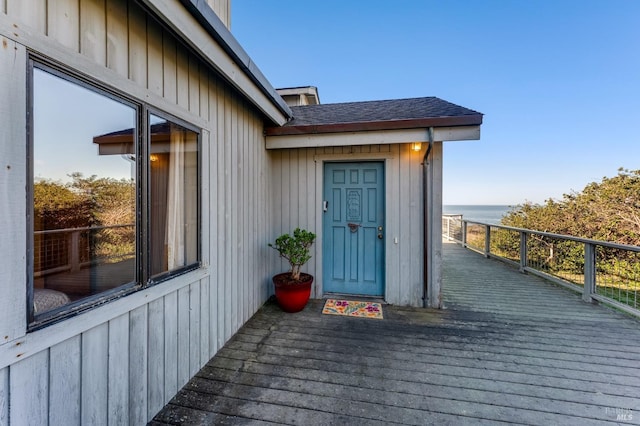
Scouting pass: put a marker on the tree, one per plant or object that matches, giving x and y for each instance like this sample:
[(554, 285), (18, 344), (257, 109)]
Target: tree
[(57, 206), (113, 199), (83, 202), (608, 210), (87, 203)]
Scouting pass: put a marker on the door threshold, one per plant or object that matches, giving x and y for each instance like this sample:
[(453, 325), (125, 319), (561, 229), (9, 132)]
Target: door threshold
[(359, 297)]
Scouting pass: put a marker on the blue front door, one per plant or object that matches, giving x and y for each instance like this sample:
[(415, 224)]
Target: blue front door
[(353, 228)]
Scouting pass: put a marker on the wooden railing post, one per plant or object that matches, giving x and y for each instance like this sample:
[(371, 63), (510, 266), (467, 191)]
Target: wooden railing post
[(589, 272), (74, 251), (464, 233), (523, 251), (487, 240)]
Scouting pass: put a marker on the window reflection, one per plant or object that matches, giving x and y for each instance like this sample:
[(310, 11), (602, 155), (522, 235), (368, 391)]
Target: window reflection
[(173, 184), (84, 192)]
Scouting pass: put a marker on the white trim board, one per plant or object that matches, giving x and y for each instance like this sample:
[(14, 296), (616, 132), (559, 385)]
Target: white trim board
[(33, 342), (320, 159), (377, 137)]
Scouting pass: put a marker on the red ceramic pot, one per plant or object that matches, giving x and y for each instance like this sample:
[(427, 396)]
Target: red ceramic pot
[(292, 296)]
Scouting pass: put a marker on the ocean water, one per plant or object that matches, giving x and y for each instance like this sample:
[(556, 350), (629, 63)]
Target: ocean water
[(485, 214)]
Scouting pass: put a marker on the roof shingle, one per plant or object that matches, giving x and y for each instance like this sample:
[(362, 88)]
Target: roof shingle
[(377, 115)]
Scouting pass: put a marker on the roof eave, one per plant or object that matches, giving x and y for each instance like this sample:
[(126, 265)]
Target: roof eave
[(215, 27), (465, 120), (197, 25)]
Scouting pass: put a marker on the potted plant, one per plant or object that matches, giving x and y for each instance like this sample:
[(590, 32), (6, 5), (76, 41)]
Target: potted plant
[(293, 288)]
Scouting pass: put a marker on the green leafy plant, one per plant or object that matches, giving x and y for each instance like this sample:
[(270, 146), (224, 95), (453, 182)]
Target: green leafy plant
[(295, 249)]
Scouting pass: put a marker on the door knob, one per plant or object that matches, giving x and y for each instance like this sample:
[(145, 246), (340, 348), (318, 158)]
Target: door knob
[(379, 236)]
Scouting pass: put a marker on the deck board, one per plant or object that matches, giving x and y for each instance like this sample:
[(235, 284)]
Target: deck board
[(508, 348)]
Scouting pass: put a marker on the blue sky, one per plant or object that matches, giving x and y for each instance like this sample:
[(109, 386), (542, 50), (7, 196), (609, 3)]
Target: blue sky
[(56, 103), (557, 80)]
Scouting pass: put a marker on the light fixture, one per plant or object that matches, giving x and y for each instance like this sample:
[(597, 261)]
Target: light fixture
[(416, 146), (153, 157)]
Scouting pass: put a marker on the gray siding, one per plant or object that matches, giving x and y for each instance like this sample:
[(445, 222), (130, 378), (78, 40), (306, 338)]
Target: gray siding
[(222, 8), (297, 201), (122, 362)]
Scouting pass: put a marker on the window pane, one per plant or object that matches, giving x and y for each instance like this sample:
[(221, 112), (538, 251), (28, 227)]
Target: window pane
[(173, 184), (84, 192)]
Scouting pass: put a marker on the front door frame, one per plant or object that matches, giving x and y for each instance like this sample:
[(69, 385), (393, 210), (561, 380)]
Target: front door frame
[(369, 279), (387, 159)]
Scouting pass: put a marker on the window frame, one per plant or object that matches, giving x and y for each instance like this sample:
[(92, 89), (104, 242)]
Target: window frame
[(142, 141), (147, 112)]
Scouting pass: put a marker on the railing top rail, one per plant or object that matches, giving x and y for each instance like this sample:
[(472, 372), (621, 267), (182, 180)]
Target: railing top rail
[(560, 236), (89, 228)]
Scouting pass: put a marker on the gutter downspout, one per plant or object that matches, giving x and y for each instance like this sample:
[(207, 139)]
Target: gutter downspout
[(426, 197)]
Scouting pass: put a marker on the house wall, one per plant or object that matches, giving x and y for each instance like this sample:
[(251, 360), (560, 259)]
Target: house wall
[(222, 8), (122, 362), (297, 201)]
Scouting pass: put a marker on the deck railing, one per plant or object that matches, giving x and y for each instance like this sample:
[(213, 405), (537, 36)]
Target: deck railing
[(70, 249), (602, 271)]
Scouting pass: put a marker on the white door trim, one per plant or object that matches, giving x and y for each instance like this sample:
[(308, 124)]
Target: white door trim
[(389, 166)]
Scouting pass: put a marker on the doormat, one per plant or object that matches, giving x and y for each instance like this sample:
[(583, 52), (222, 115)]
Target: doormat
[(353, 309)]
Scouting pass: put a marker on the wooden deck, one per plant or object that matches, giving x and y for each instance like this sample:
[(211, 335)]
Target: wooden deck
[(510, 348)]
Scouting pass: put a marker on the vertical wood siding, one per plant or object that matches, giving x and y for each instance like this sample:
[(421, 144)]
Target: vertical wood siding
[(65, 375), (117, 53), (95, 370), (4, 396), (138, 365), (93, 30), (31, 13), (118, 369), (29, 390), (222, 8), (297, 189), (125, 369), (62, 23)]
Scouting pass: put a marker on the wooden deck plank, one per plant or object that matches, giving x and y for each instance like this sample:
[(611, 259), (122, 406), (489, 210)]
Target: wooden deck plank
[(403, 388), (387, 397), (478, 340), (443, 340), (255, 410), (177, 415), (485, 365), (338, 400), (509, 348), (453, 378)]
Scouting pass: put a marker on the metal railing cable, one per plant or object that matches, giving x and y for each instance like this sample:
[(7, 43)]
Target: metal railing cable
[(70, 249)]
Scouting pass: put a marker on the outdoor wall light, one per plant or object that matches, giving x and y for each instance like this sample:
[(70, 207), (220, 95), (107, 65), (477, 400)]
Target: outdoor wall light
[(416, 146), (153, 157)]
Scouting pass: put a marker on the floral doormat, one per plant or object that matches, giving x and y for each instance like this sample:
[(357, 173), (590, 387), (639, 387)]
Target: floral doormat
[(353, 309)]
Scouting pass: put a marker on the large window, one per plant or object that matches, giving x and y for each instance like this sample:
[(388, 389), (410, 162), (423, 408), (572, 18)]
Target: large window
[(114, 196)]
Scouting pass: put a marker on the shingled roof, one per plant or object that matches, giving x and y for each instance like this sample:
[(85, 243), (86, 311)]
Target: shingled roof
[(376, 115)]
